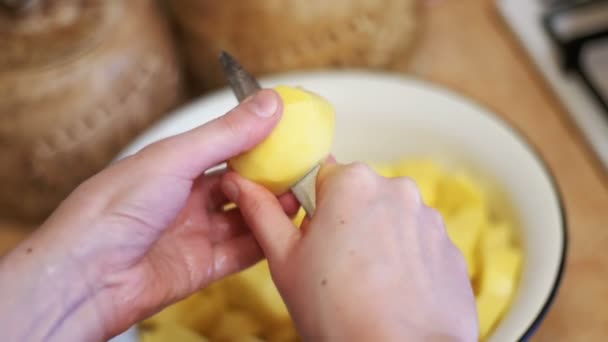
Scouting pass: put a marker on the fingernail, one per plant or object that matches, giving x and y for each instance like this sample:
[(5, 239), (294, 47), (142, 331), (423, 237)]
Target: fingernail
[(265, 103), (331, 159), (231, 190)]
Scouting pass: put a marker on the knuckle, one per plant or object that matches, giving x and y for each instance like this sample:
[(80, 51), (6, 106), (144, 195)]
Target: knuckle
[(359, 170), (455, 255), (408, 189), (232, 125), (435, 218), (460, 260), (435, 225), (359, 175)]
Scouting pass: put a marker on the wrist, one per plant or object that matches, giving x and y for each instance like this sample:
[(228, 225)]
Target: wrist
[(45, 297)]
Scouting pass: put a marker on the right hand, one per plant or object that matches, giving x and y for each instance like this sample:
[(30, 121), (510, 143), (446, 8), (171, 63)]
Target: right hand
[(373, 264)]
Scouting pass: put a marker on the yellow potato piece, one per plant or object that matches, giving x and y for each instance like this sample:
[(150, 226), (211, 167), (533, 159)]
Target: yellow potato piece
[(464, 229), (174, 314), (425, 173), (170, 332), (456, 191), (500, 271), (168, 316), (301, 139), (286, 333), (246, 339), (489, 310), (236, 326), (205, 309), (384, 170), (297, 220), (229, 206), (254, 291), (497, 235), (498, 284), (197, 312)]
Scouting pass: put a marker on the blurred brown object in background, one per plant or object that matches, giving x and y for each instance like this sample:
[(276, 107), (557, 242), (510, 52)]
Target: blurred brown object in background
[(13, 232), (78, 80), (281, 35)]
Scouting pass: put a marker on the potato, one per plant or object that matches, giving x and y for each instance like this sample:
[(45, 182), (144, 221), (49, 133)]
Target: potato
[(500, 270), (197, 312), (236, 326), (206, 309), (425, 173), (176, 313), (168, 316), (464, 229), (229, 206), (169, 332), (254, 291), (301, 139), (497, 235), (384, 170), (456, 191), (297, 220), (286, 333)]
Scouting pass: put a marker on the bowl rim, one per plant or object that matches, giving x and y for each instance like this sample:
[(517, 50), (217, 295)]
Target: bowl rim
[(444, 90)]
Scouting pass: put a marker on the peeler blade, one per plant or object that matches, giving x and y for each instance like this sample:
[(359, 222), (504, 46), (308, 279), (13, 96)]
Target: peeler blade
[(243, 84)]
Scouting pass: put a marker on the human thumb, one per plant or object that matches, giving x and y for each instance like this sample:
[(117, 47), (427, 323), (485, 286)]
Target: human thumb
[(191, 153), (261, 210)]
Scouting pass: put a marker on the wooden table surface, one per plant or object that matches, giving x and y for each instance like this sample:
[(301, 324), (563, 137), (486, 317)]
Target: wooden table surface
[(464, 45)]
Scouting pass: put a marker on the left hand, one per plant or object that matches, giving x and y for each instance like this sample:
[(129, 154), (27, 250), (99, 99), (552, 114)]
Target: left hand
[(144, 233)]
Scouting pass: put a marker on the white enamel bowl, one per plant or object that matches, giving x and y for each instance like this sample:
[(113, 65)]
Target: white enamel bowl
[(382, 117)]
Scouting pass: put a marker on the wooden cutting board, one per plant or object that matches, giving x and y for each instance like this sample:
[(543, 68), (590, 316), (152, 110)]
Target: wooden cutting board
[(465, 46)]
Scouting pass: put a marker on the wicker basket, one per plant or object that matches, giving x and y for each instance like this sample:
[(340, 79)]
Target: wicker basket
[(78, 80), (279, 35)]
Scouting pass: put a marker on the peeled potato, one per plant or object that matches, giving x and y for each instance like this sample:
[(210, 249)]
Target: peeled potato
[(170, 332), (384, 170), (237, 326), (497, 286), (465, 229), (497, 235), (286, 333), (254, 291), (205, 309), (456, 191), (189, 312), (425, 173), (297, 220), (176, 313), (301, 139)]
